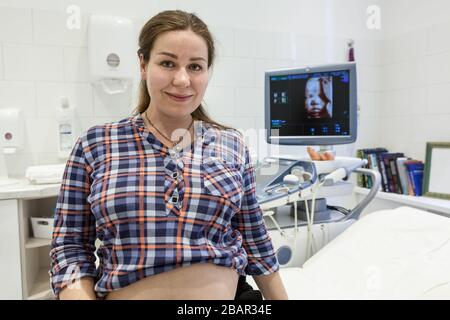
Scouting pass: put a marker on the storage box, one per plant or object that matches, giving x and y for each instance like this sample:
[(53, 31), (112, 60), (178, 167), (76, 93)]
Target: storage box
[(42, 227)]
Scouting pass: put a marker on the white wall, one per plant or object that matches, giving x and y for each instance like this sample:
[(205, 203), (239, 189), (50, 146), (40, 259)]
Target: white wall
[(41, 60), (415, 76)]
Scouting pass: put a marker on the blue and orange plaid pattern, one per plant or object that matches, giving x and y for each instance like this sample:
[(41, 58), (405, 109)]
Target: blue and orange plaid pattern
[(154, 208)]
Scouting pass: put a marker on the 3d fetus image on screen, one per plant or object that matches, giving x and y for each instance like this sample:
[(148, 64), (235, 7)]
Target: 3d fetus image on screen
[(311, 105), (319, 98)]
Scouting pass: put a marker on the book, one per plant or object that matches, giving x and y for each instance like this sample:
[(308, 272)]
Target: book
[(396, 185), (361, 181), (402, 174), (369, 165), (388, 159), (415, 173), (410, 186), (373, 162), (384, 178), (373, 157)]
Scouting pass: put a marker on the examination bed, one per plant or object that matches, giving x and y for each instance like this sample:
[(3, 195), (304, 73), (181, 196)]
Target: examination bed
[(402, 253)]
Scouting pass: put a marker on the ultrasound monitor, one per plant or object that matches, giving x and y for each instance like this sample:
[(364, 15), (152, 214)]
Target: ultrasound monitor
[(311, 105)]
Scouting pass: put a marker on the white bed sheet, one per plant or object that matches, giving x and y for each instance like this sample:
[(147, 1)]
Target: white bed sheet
[(402, 253)]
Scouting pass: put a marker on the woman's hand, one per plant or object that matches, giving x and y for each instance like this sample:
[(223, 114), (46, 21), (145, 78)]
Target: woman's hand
[(271, 286)]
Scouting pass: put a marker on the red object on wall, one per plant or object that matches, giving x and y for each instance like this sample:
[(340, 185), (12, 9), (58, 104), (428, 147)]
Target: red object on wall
[(351, 51)]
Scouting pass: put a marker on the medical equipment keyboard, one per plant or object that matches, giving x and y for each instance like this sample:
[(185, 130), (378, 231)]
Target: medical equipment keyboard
[(276, 178), (281, 182)]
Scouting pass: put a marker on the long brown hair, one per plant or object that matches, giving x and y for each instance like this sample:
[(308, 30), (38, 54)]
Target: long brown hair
[(173, 20)]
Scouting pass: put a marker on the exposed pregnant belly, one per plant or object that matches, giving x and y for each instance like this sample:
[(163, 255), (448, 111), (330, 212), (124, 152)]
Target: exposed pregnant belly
[(198, 281)]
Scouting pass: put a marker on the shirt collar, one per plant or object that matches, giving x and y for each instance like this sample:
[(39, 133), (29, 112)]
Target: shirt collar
[(199, 130)]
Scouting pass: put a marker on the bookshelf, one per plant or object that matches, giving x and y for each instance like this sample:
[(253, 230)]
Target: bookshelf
[(438, 206)]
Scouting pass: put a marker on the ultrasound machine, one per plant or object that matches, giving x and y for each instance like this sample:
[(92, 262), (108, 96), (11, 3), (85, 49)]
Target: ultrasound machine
[(310, 106)]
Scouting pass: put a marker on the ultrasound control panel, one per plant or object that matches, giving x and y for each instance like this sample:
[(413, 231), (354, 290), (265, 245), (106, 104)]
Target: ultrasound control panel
[(275, 178)]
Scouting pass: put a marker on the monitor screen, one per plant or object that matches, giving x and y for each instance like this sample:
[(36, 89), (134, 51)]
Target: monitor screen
[(312, 105)]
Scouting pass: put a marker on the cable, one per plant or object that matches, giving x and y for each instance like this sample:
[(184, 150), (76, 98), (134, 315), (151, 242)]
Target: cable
[(342, 210), (329, 179), (270, 214), (295, 217), (295, 227), (311, 244), (308, 236)]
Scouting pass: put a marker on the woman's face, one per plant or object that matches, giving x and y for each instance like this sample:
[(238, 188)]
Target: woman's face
[(176, 73)]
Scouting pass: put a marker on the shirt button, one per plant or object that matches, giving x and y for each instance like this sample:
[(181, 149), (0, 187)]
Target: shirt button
[(175, 196)]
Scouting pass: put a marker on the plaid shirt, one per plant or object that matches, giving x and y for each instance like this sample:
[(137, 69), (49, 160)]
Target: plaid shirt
[(155, 209)]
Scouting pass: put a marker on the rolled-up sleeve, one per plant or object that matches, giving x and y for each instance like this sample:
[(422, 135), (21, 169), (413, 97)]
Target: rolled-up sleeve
[(73, 245), (250, 223)]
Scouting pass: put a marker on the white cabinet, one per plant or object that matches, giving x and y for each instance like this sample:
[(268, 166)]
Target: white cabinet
[(25, 260), (34, 251), (10, 265)]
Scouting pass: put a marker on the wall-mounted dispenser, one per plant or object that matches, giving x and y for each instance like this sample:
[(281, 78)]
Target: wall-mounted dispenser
[(11, 138), (67, 131), (111, 52), (11, 130)]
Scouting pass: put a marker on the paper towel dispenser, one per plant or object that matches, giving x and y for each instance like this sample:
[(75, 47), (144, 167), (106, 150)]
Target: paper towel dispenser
[(111, 52)]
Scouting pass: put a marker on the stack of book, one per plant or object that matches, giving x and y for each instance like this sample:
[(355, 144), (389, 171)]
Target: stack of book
[(399, 173)]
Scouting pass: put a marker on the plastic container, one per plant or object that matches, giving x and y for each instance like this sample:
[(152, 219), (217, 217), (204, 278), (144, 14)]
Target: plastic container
[(66, 128), (42, 227)]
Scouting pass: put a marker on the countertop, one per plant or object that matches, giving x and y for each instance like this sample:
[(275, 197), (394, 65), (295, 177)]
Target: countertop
[(440, 206), (22, 189)]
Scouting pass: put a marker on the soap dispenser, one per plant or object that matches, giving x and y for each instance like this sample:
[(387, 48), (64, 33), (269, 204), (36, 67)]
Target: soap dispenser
[(11, 139), (66, 128), (11, 130)]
